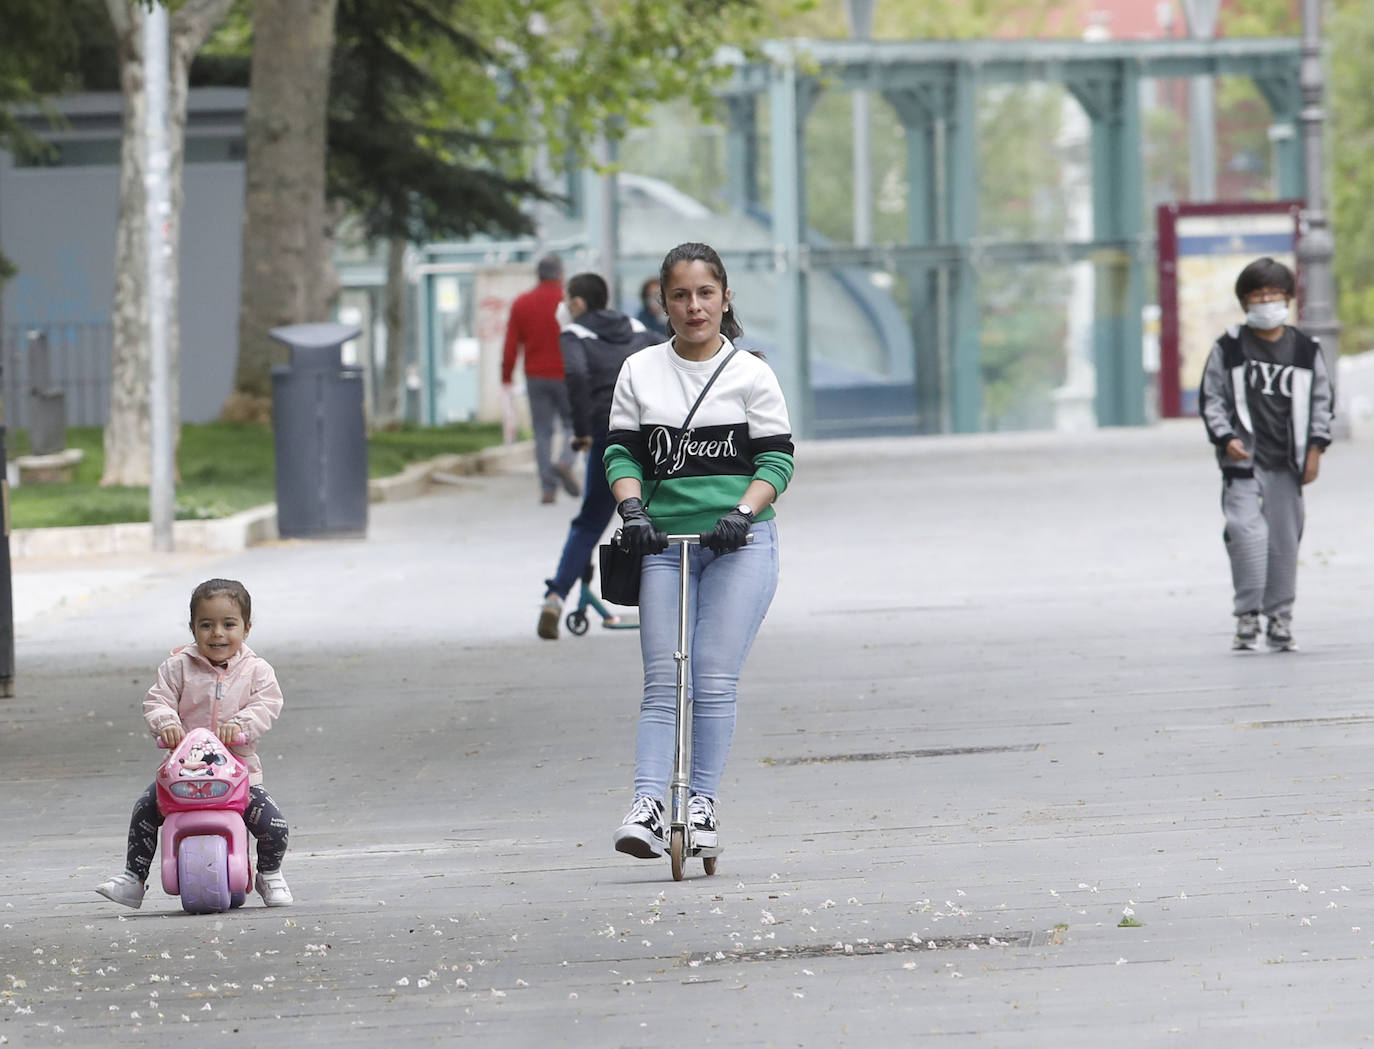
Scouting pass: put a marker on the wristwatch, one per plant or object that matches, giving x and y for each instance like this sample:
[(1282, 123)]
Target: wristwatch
[(746, 510)]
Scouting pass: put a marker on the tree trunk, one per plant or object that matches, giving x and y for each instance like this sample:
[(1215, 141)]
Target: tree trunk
[(284, 204), (128, 433), (389, 402)]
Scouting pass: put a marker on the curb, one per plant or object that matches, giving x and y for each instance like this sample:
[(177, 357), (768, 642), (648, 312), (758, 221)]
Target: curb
[(258, 524)]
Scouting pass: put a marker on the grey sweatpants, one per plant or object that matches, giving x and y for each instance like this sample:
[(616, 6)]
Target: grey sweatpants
[(1264, 518), (549, 405)]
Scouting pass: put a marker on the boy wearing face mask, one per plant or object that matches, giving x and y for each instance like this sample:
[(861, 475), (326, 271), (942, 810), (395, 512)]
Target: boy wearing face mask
[(1267, 403)]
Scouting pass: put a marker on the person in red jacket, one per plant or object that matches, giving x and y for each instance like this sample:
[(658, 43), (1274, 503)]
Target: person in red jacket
[(534, 329)]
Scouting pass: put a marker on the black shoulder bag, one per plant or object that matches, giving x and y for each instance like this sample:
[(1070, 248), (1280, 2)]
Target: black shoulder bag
[(621, 569)]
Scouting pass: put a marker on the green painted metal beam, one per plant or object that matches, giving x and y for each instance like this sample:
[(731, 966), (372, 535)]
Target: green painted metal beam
[(888, 64)]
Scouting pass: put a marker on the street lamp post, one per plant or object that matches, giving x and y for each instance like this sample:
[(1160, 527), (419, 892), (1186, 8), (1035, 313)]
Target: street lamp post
[(861, 28), (1317, 246), (1201, 16)]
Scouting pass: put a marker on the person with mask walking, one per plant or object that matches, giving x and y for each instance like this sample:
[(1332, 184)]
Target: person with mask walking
[(1267, 403), (594, 345)]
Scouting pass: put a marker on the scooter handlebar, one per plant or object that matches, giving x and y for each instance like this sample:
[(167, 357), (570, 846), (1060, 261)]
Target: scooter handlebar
[(237, 741), (691, 537)]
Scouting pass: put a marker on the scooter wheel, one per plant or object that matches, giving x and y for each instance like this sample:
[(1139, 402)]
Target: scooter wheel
[(577, 623), (677, 851), (203, 874), (710, 864), (237, 899)]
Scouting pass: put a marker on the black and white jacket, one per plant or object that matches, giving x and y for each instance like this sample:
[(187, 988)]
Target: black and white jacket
[(1230, 380)]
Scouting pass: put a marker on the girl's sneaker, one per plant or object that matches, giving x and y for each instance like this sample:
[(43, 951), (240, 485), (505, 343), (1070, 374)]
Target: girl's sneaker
[(124, 888), (701, 815), (273, 888), (641, 834)]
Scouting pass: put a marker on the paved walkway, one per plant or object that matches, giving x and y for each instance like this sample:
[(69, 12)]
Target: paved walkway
[(991, 715)]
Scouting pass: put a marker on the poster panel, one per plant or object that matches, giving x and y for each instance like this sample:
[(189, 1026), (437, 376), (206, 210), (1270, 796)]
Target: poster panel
[(1202, 249)]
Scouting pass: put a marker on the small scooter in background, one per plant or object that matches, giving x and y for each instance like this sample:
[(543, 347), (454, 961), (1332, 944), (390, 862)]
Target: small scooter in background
[(576, 620), (202, 791)]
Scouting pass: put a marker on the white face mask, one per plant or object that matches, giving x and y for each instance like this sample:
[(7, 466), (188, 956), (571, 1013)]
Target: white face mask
[(1266, 316)]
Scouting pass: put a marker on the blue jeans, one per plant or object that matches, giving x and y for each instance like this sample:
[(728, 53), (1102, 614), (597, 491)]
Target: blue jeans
[(598, 507), (729, 595)]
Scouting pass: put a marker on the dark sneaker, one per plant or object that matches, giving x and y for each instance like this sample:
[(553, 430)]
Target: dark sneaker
[(1247, 632), (642, 834), (1279, 634), (550, 612), (701, 816)]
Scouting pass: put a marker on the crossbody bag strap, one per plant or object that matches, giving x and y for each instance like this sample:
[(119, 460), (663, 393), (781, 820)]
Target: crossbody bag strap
[(695, 405)]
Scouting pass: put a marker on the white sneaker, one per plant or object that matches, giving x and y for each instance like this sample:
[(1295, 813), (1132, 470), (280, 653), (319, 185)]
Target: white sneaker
[(273, 888), (123, 888), (550, 612)]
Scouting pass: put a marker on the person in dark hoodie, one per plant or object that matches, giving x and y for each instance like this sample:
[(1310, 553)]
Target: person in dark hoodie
[(594, 347)]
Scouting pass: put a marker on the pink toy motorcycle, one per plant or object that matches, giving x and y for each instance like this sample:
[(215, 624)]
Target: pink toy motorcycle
[(202, 790)]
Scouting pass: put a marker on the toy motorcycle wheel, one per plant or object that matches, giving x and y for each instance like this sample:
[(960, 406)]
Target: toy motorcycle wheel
[(203, 874), (577, 623)]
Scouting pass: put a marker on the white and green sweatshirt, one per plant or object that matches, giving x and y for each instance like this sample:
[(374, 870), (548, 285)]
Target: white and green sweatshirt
[(739, 433)]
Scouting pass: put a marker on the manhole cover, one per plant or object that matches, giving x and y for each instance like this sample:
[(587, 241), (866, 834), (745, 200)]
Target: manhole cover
[(863, 948), (895, 755)]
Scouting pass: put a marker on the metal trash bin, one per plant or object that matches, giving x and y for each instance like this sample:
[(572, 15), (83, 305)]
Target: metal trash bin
[(319, 434)]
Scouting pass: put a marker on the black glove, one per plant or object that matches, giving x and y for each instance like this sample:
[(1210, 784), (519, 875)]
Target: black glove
[(637, 533), (729, 533)]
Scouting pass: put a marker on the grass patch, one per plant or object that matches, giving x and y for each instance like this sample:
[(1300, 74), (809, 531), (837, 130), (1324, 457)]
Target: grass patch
[(223, 468)]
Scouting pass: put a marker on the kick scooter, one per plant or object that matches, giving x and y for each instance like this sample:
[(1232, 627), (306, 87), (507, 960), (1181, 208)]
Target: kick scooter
[(680, 845)]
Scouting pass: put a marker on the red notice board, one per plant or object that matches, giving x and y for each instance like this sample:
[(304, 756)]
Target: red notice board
[(1202, 249)]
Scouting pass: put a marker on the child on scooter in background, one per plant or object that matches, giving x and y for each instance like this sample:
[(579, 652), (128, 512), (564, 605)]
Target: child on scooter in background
[(217, 683)]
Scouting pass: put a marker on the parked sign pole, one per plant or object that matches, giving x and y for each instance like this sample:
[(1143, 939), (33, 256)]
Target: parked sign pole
[(6, 581)]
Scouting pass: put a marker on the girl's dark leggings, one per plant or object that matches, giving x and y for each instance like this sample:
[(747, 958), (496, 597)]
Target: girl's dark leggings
[(263, 818)]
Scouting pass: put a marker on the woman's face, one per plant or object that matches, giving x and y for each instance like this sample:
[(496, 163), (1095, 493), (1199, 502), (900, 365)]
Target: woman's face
[(695, 302)]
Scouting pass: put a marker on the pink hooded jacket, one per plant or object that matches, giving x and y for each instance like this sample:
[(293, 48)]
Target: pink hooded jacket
[(194, 693)]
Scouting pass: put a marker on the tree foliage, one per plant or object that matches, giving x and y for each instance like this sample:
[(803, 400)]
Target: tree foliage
[(402, 163), (1350, 145), (1348, 33), (40, 45)]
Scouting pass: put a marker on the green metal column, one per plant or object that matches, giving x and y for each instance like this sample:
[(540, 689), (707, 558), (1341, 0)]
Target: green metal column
[(961, 225), (787, 114), (1111, 97), (1284, 95), (742, 151), (918, 108)]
